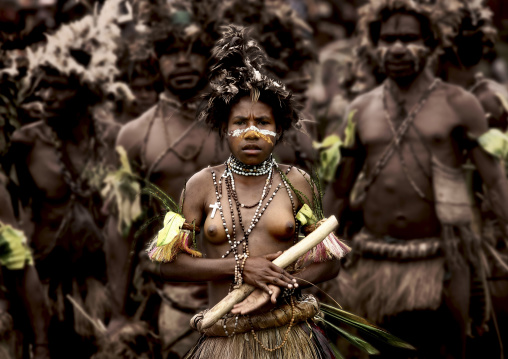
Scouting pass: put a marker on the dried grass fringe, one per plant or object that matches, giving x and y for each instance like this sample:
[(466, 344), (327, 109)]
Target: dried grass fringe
[(385, 288), (299, 346)]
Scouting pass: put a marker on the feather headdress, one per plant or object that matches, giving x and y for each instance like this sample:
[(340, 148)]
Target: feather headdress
[(86, 49), (283, 35), (475, 18), (177, 23), (239, 72), (442, 20)]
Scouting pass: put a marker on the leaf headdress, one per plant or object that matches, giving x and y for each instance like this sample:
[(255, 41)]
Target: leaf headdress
[(86, 49)]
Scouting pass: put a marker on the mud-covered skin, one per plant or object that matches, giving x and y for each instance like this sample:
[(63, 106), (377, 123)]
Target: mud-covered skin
[(392, 207)]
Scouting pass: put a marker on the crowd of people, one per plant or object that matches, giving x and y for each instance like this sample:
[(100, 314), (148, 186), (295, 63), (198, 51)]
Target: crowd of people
[(395, 109)]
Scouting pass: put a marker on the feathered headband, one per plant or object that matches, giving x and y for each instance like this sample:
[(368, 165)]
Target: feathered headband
[(442, 20), (86, 49), (238, 72)]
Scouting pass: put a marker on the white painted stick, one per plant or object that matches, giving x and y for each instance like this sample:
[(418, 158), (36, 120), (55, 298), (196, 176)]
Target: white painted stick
[(285, 259)]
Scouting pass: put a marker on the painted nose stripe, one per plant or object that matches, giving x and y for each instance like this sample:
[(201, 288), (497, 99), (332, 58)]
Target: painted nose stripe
[(254, 131)]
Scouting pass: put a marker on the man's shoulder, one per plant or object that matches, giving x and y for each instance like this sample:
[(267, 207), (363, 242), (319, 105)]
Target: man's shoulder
[(363, 102), (367, 98), (459, 98), (136, 129), (28, 134)]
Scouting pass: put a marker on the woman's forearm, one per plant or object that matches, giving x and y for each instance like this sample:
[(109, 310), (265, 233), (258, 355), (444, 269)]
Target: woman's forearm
[(189, 269), (317, 272)]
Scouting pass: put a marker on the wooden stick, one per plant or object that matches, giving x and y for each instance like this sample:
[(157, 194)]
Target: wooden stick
[(285, 259)]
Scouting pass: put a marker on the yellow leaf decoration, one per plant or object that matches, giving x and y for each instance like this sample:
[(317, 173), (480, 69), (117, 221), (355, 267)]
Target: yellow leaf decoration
[(349, 139), (172, 240), (329, 149), (305, 215), (173, 223), (122, 187), (495, 142), (14, 250)]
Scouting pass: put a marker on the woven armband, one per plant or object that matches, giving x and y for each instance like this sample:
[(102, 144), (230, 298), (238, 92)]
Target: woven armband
[(176, 237), (330, 248)]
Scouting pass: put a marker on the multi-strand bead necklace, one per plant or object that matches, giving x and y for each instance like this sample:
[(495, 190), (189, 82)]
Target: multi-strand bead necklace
[(233, 166)]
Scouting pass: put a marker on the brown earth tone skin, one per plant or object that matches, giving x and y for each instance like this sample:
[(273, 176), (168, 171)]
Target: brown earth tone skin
[(194, 147), (46, 195), (273, 233), (391, 206), (26, 285)]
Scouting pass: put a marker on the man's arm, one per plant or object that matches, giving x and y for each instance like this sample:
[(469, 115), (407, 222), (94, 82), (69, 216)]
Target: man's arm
[(337, 196), (489, 167), (26, 285), (118, 246)]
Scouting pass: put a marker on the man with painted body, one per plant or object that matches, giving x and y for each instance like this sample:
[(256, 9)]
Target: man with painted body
[(407, 133), (60, 162), (165, 146)]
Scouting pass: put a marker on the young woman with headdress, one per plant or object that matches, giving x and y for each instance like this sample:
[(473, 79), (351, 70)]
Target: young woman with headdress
[(250, 210)]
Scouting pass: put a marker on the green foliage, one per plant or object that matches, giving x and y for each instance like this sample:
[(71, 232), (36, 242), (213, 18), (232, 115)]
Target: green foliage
[(338, 316), (329, 149)]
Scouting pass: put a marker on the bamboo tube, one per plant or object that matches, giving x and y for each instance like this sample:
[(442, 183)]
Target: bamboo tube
[(284, 260)]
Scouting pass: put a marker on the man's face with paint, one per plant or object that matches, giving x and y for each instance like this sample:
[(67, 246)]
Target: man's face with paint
[(251, 131), (59, 96), (182, 68), (401, 48)]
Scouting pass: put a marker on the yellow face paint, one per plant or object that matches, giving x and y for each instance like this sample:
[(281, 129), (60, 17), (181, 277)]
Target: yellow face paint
[(254, 131)]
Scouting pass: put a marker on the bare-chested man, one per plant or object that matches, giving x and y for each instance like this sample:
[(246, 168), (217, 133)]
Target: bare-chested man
[(21, 277), (416, 252), (17, 270), (165, 146), (60, 162)]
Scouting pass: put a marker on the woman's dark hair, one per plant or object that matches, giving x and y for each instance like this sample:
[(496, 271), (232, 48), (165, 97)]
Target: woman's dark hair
[(284, 111)]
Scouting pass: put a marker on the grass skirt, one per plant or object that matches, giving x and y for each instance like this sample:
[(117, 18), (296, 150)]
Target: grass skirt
[(305, 340), (391, 278)]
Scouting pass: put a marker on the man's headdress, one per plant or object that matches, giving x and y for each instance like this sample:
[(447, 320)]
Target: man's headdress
[(239, 72), (441, 20), (162, 24), (283, 35), (85, 49), (474, 19)]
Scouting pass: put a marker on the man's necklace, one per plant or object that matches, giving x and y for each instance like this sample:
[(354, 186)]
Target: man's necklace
[(79, 185), (412, 114)]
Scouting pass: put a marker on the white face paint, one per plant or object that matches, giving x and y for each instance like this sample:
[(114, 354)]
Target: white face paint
[(238, 133)]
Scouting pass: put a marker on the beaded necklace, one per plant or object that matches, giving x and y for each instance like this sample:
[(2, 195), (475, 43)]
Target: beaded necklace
[(80, 184), (239, 168), (229, 181)]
